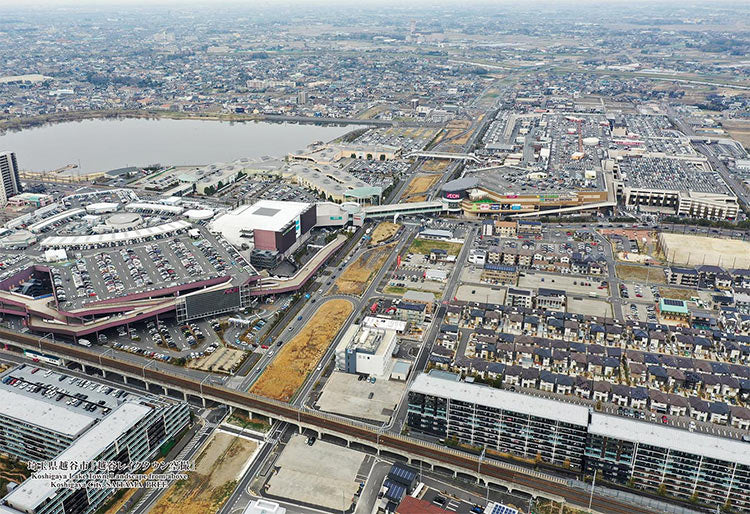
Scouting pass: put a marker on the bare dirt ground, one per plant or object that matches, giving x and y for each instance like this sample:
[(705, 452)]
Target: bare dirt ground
[(299, 356), (420, 185), (223, 360), (652, 274), (357, 275), (383, 232), (739, 130), (435, 165), (698, 250), (215, 477)]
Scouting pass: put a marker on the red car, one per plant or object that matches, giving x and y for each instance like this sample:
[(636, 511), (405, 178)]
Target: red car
[(264, 346), (663, 419)]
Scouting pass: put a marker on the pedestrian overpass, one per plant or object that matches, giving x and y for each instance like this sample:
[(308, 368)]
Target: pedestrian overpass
[(394, 210), (445, 155)]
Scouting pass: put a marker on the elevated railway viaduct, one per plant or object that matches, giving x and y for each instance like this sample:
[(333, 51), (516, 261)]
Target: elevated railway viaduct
[(488, 471)]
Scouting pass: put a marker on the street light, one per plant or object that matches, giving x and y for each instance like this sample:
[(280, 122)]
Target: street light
[(593, 484)]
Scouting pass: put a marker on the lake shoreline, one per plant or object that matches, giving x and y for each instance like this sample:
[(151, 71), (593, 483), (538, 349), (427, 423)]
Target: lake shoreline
[(105, 141), (20, 124)]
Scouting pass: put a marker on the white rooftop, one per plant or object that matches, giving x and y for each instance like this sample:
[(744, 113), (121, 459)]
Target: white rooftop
[(500, 399), (116, 237), (40, 411), (262, 215), (262, 506), (730, 450), (27, 496)]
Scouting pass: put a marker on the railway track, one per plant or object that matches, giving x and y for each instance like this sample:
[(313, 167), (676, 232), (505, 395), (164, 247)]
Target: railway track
[(531, 479)]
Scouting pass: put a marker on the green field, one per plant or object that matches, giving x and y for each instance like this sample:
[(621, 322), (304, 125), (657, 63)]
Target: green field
[(424, 246)]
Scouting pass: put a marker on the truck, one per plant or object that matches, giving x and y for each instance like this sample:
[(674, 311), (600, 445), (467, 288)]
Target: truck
[(374, 308), (84, 342)]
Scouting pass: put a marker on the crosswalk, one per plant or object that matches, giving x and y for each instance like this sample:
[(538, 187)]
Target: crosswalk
[(452, 505)]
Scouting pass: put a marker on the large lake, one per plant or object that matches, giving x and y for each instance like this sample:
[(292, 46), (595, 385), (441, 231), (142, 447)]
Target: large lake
[(103, 145)]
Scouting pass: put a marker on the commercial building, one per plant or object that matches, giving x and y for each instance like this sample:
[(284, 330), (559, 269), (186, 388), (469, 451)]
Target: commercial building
[(30, 199), (672, 309), (261, 506), (428, 299), (267, 225), (365, 350), (686, 187), (333, 183), (43, 419), (640, 454), (508, 191), (11, 182)]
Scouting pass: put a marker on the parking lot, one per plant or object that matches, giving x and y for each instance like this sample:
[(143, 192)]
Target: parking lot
[(481, 294), (268, 188), (99, 275), (347, 395), (571, 284), (589, 306), (164, 339)]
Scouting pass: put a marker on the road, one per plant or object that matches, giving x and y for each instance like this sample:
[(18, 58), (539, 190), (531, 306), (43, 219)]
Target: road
[(397, 420), (544, 484), (359, 305), (719, 166)]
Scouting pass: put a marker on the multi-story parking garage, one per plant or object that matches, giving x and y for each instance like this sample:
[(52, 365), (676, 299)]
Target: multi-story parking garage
[(684, 186)]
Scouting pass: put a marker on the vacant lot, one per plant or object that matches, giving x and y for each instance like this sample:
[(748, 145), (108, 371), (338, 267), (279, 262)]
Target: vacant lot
[(421, 184), (739, 130), (12, 470), (223, 360), (424, 246), (383, 232), (299, 356), (217, 470), (677, 293), (357, 275), (699, 250), (650, 274), (435, 165)]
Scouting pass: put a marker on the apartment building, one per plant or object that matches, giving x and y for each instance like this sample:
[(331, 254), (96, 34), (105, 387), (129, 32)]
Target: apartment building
[(528, 427), (11, 183), (124, 427), (640, 454)]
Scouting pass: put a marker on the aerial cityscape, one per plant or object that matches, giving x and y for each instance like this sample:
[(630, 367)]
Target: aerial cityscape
[(372, 258)]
